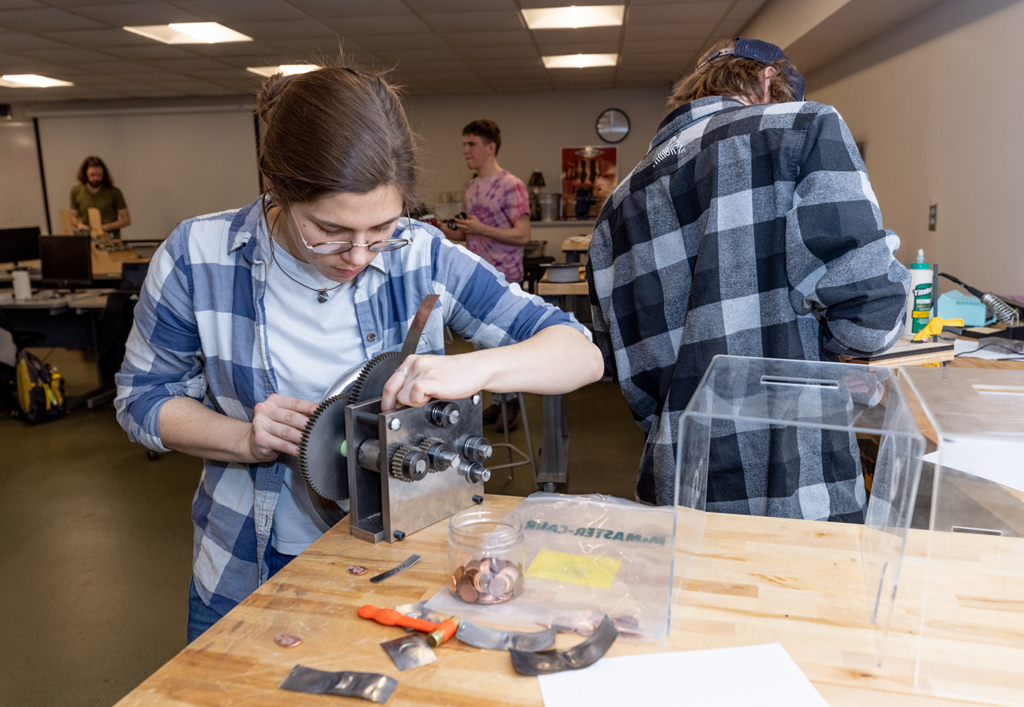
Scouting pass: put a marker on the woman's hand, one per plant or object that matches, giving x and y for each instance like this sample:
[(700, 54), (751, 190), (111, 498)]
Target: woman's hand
[(277, 426), (421, 379)]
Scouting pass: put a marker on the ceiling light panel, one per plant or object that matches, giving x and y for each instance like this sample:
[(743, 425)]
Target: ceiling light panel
[(574, 17), (190, 33), (286, 69), (579, 61), (31, 81)]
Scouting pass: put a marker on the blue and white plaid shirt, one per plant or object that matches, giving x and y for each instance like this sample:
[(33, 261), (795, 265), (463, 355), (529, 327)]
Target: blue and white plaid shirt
[(200, 331)]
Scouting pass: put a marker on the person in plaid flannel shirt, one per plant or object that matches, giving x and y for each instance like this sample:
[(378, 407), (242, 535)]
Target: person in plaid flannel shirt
[(749, 229)]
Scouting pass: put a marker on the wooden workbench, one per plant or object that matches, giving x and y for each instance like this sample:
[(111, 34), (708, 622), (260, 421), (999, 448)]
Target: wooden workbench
[(756, 580)]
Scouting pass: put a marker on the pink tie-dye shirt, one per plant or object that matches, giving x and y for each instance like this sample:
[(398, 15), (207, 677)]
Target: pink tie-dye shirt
[(498, 201)]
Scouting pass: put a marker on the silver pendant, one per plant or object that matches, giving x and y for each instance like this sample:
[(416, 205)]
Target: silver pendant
[(321, 296)]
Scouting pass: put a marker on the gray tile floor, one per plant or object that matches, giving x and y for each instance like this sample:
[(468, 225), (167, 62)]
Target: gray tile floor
[(99, 539)]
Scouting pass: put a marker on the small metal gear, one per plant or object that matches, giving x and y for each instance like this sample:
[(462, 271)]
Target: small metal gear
[(417, 457), (369, 384)]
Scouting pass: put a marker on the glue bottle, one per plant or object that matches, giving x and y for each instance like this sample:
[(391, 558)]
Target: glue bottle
[(919, 303)]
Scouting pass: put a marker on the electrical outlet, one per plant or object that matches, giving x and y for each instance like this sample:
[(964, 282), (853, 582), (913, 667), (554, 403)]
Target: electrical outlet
[(931, 216)]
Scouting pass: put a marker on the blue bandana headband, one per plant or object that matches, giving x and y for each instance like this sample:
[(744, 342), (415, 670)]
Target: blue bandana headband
[(764, 53)]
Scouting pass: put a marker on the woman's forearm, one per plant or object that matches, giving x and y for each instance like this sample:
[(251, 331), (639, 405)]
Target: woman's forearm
[(186, 425), (556, 360)]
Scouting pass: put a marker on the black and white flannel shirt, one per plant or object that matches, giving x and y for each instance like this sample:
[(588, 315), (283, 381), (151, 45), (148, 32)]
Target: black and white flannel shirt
[(750, 231)]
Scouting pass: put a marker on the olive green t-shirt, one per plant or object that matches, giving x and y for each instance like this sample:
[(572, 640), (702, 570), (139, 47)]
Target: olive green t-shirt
[(108, 200)]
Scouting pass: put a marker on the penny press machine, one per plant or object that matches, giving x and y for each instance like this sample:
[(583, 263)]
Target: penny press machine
[(395, 472)]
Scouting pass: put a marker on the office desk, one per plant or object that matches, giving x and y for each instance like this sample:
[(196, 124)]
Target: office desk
[(67, 321), (755, 580)]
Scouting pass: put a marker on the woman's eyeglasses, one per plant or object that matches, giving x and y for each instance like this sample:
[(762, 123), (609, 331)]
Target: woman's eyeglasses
[(331, 247)]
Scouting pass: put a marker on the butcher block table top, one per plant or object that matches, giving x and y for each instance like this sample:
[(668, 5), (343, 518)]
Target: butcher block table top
[(755, 580)]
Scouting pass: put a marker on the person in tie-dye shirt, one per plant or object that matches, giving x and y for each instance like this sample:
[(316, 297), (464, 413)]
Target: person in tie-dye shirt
[(497, 225)]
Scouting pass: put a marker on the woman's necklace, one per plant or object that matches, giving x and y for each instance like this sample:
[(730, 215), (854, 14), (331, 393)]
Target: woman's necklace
[(322, 293)]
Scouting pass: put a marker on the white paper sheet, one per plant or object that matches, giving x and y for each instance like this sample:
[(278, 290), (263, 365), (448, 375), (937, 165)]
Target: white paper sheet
[(724, 677), (994, 459)]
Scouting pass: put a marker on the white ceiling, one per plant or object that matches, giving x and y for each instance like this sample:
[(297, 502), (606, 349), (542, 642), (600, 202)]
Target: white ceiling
[(438, 46)]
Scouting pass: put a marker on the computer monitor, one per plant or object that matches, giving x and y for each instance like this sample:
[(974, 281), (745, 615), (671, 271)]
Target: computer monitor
[(18, 245), (66, 261)]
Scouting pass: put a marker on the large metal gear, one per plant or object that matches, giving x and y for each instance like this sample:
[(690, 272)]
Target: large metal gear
[(369, 384), (322, 462)]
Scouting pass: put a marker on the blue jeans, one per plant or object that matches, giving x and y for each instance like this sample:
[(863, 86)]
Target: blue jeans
[(202, 617)]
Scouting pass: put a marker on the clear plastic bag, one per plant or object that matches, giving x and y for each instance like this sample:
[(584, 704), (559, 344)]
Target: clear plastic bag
[(587, 556)]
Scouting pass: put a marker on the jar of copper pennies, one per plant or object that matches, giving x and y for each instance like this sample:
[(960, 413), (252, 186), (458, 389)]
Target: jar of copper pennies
[(485, 556)]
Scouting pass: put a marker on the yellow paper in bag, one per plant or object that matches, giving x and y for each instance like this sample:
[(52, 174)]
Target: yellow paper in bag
[(597, 572)]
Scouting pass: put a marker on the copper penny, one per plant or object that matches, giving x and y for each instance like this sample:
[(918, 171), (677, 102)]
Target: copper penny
[(286, 640), (467, 593), (488, 599), (482, 582), (356, 569), (519, 586)]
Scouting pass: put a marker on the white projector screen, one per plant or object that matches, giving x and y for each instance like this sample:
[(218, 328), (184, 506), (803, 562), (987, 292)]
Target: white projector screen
[(170, 166)]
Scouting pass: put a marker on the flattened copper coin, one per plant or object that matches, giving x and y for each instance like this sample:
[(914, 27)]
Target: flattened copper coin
[(488, 599), (472, 565), (356, 569), (467, 593), (286, 640), (519, 586)]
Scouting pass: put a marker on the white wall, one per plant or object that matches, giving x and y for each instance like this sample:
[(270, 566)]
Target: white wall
[(21, 199), (534, 129), (170, 165), (937, 102)]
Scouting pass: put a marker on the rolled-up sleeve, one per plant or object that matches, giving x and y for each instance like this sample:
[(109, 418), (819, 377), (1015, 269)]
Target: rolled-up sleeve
[(163, 354), (485, 309)]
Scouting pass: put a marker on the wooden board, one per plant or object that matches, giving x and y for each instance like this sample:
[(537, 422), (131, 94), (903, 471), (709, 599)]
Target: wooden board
[(755, 580)]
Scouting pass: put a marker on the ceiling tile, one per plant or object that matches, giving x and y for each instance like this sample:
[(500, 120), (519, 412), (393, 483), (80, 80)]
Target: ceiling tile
[(506, 38), (400, 54), (19, 4), (231, 75), (327, 9), (648, 59), (327, 46), (45, 19), (729, 28), (517, 52), (227, 49), (523, 87), (117, 68), (549, 3), (660, 45), (97, 38), (153, 51), (676, 31), (428, 7), (225, 11), (137, 13), (400, 42), (287, 29), (63, 55), (359, 27), (13, 42), (474, 21), (187, 65), (677, 12)]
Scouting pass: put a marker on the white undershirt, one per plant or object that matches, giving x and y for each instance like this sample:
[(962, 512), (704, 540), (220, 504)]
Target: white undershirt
[(311, 345)]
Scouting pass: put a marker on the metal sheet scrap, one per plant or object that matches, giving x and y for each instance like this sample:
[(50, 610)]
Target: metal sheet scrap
[(368, 686), (581, 656), (497, 640)]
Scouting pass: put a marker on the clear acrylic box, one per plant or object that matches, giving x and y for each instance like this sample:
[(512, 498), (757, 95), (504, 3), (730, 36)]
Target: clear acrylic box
[(773, 411), (971, 643)]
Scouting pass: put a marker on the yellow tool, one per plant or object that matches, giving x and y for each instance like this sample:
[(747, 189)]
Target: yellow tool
[(937, 325)]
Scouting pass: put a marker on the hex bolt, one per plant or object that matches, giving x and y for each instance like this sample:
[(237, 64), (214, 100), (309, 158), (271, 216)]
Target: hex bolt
[(476, 398), (399, 535), (478, 499), (395, 424)]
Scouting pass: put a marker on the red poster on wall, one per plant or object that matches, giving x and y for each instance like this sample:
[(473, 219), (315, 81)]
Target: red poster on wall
[(589, 176)]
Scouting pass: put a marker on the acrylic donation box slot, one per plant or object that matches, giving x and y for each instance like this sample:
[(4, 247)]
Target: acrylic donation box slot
[(807, 440)]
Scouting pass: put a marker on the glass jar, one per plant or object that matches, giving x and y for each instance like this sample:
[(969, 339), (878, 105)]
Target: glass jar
[(485, 556)]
